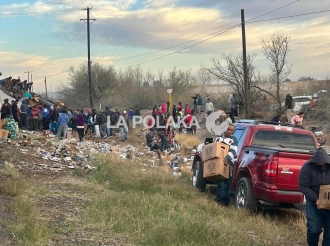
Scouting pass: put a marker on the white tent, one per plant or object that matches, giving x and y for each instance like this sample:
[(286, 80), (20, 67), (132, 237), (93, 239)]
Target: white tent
[(3, 96)]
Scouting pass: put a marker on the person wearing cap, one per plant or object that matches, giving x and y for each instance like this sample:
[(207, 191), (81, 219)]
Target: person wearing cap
[(289, 106), (313, 174)]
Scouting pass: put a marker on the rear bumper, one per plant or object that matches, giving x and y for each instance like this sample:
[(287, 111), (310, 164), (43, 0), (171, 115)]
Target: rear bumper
[(278, 196)]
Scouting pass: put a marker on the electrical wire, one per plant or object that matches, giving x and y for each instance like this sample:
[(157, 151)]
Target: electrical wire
[(60, 47), (51, 63), (223, 31), (273, 10), (83, 34), (290, 16), (111, 44), (167, 48)]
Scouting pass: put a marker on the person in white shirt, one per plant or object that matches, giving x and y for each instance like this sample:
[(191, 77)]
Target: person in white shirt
[(209, 107)]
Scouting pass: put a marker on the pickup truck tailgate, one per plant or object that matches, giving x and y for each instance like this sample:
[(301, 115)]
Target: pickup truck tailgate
[(289, 165)]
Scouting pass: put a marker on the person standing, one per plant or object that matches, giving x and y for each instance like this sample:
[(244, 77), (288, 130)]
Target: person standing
[(123, 128), (108, 116), (223, 186), (103, 126), (35, 117), (209, 107), (5, 109), (313, 174), (199, 104), (53, 120), (90, 122), (97, 123), (23, 116), (231, 104), (63, 120), (81, 125), (289, 106), (137, 111), (14, 109), (74, 123), (45, 117)]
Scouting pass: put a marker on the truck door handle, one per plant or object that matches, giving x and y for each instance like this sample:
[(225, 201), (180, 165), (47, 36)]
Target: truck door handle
[(246, 151)]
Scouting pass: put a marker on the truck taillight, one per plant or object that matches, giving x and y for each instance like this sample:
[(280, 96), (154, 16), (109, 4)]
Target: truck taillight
[(270, 168)]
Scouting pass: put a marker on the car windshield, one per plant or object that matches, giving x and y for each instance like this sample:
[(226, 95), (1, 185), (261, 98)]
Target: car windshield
[(283, 140)]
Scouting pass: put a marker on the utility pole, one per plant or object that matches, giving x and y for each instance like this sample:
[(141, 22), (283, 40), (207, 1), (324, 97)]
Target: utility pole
[(246, 82), (28, 72), (46, 88), (89, 56), (31, 81)]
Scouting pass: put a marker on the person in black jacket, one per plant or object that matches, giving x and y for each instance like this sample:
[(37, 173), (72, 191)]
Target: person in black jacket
[(313, 174)]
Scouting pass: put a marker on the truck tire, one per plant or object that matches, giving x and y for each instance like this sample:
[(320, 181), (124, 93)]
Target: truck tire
[(197, 177), (244, 195)]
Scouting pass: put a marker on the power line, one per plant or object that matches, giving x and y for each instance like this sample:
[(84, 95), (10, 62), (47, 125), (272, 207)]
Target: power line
[(272, 11), (221, 32), (60, 46), (167, 48), (71, 47), (290, 16), (66, 47)]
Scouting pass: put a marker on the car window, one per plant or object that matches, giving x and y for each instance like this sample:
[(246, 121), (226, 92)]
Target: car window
[(239, 132), (279, 139)]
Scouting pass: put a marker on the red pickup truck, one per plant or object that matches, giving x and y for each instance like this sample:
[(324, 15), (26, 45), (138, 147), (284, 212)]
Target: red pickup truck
[(267, 165)]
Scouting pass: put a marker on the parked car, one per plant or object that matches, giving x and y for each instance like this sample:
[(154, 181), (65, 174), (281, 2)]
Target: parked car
[(269, 159)]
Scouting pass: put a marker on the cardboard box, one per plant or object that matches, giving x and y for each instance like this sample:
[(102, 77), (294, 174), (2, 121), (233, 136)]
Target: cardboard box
[(324, 196), (215, 169), (4, 133), (213, 150)]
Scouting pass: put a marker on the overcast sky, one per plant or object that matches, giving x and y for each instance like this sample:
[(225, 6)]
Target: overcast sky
[(47, 37)]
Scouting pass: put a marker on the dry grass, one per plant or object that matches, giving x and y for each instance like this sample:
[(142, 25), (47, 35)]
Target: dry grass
[(187, 140), (154, 208)]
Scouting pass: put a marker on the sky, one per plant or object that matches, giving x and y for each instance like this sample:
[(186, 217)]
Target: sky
[(47, 37)]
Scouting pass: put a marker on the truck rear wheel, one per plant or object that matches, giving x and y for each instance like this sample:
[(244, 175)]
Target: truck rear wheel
[(244, 195), (197, 178)]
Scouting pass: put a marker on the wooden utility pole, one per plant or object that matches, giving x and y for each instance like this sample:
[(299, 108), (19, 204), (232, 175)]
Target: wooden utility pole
[(46, 88), (28, 72), (246, 82), (89, 57)]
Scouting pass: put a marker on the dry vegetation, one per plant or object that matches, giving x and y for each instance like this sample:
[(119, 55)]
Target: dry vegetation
[(125, 203)]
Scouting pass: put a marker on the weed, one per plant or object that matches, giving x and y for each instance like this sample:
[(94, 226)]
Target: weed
[(155, 208), (14, 186), (187, 140)]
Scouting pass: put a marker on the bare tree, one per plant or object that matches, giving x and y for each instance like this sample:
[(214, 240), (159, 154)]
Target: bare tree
[(204, 76), (276, 51), (233, 72)]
